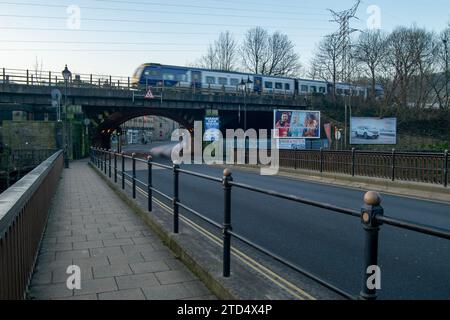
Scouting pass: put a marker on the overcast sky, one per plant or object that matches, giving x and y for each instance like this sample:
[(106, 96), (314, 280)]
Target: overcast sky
[(114, 36)]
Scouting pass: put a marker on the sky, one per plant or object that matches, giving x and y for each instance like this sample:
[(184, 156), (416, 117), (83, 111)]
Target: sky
[(114, 37)]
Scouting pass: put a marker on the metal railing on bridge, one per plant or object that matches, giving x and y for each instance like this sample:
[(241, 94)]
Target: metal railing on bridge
[(371, 214), (80, 80), (23, 216)]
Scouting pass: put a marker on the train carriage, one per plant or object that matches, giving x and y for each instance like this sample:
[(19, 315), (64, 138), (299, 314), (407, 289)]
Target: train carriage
[(158, 75)]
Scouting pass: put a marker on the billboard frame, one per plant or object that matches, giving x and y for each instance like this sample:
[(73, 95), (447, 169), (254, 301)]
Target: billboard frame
[(301, 111), (373, 144)]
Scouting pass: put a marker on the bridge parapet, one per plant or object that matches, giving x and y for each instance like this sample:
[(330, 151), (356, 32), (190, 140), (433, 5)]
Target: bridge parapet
[(16, 81), (23, 216)]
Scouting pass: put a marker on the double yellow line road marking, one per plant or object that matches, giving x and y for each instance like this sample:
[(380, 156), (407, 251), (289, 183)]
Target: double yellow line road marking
[(258, 267)]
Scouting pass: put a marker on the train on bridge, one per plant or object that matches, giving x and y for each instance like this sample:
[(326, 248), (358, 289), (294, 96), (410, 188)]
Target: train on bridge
[(158, 75)]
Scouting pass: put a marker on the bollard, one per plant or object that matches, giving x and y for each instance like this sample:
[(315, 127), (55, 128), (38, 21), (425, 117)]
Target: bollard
[(446, 168), (133, 159), (115, 167), (110, 164), (123, 170), (370, 213), (176, 195), (227, 178), (150, 184)]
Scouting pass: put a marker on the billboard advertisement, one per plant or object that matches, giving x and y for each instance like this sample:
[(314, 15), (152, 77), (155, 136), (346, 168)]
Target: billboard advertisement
[(373, 131), (212, 129), (291, 144), (293, 124)]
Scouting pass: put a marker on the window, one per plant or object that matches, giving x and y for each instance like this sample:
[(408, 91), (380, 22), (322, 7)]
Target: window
[(181, 77), (234, 82), (268, 85), (313, 89), (210, 80), (287, 86), (362, 93), (347, 92), (168, 76), (278, 86), (304, 88), (339, 91), (223, 81), (322, 89), (151, 73)]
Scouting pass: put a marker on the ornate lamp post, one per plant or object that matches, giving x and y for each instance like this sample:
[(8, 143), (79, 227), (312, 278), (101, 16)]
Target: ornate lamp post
[(66, 75)]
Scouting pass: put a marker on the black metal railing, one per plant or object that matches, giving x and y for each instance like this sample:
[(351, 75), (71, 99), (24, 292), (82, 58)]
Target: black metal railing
[(108, 82), (371, 215), (23, 216), (424, 167)]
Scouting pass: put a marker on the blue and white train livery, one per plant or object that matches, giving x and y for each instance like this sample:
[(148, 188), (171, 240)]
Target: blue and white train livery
[(157, 75)]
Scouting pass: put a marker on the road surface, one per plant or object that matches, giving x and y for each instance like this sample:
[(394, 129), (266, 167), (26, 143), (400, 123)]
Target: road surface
[(329, 245)]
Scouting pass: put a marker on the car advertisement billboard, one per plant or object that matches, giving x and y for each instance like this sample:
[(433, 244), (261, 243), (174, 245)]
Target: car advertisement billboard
[(373, 131), (212, 129), (293, 124)]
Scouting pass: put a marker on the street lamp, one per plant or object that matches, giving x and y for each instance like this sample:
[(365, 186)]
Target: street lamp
[(66, 75)]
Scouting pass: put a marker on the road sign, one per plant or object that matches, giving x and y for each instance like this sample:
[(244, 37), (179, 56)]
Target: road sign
[(338, 134), (149, 94)]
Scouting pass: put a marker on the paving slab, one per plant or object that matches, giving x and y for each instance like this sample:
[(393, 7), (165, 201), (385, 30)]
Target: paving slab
[(119, 258)]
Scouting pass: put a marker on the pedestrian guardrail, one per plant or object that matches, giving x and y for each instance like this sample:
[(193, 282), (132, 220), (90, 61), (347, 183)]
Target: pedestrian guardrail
[(424, 167), (23, 216), (371, 214)]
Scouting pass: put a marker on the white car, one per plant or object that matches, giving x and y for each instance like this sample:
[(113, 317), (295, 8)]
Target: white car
[(367, 133)]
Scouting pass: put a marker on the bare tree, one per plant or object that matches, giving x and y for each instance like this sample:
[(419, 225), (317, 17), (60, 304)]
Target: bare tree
[(226, 51), (254, 50), (272, 55), (370, 50), (402, 58), (222, 54), (326, 62), (209, 60)]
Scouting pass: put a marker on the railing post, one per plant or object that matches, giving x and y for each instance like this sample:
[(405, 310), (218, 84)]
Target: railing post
[(176, 197), (353, 161), (101, 159), (115, 167), (370, 213), (227, 178), (28, 74), (133, 159), (321, 160), (110, 164), (446, 168), (4, 75), (50, 78), (129, 84), (90, 79), (150, 184), (393, 165), (105, 167), (123, 170)]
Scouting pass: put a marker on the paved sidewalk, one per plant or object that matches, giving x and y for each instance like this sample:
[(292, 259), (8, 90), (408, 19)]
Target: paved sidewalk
[(91, 227)]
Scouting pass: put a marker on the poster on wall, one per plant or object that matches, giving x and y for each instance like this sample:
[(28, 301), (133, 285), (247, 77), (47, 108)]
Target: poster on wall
[(212, 129), (293, 124), (373, 131), (291, 144)]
